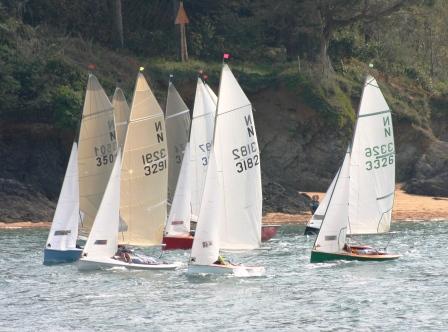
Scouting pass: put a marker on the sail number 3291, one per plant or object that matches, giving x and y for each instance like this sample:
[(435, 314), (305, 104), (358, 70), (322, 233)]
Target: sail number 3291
[(154, 162)]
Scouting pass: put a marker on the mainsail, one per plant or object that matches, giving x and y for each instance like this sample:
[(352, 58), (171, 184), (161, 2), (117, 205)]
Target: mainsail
[(180, 213), (238, 158), (177, 120), (144, 175), (64, 228), (201, 137), (372, 166), (121, 112), (332, 234), (96, 152), (103, 239)]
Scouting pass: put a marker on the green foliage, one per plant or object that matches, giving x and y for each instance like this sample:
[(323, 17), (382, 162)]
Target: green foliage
[(67, 106)]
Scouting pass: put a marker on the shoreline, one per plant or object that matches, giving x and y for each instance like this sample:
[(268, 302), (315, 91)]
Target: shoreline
[(407, 207)]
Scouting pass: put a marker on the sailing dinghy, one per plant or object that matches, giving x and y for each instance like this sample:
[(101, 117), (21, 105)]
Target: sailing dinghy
[(61, 244), (361, 199), (101, 249), (232, 187), (372, 168), (190, 186)]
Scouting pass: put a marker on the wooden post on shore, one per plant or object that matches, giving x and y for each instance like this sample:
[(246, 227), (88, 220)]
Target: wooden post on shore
[(182, 20)]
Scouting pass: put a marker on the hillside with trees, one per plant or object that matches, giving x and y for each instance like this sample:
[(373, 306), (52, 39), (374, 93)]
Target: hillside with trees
[(301, 62)]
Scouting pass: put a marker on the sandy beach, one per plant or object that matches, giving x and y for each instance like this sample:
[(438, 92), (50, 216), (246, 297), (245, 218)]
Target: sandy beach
[(406, 207)]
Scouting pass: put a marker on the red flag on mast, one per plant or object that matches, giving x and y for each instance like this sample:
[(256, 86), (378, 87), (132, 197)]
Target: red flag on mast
[(226, 56)]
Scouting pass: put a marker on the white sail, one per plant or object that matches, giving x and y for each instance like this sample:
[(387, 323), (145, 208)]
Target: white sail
[(206, 243), (180, 214), (212, 94), (97, 149), (144, 175), (64, 228), (372, 167), (201, 137), (332, 234), (177, 120), (103, 238), (121, 112), (237, 156), (318, 216)]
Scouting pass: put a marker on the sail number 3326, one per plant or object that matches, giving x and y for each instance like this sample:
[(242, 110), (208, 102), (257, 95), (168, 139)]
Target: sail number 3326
[(380, 155)]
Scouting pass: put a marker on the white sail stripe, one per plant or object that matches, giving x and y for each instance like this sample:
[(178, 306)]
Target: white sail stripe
[(97, 113), (232, 110), (177, 114)]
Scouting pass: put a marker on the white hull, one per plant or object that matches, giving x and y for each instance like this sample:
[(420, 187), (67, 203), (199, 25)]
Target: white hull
[(237, 270), (85, 264)]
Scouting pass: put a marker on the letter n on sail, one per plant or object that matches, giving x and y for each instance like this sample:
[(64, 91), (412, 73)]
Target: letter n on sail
[(250, 127), (159, 131), (387, 126)]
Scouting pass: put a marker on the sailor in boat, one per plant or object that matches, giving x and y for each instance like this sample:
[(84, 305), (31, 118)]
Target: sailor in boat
[(314, 204), (127, 255), (361, 250)]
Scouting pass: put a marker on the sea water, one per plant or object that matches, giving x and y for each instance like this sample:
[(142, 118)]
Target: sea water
[(408, 294)]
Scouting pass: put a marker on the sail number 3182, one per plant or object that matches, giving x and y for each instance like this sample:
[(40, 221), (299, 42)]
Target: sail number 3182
[(247, 157)]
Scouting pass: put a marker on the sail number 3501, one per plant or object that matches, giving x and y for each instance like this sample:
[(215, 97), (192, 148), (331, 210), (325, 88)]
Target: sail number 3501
[(154, 162), (247, 156)]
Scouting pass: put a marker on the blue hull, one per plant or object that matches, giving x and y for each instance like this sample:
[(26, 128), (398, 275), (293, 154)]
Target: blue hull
[(52, 256)]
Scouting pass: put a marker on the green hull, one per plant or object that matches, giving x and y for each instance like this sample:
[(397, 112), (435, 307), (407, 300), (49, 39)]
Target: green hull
[(320, 256)]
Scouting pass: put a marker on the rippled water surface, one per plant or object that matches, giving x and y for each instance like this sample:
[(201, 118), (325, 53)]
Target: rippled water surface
[(407, 294)]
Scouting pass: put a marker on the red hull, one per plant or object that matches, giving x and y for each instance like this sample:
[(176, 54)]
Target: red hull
[(268, 232), (177, 242), (185, 242)]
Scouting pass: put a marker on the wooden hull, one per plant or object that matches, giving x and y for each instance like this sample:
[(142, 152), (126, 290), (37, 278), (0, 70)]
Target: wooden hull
[(177, 242), (320, 256), (236, 270), (186, 242), (268, 232), (53, 256), (85, 264)]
